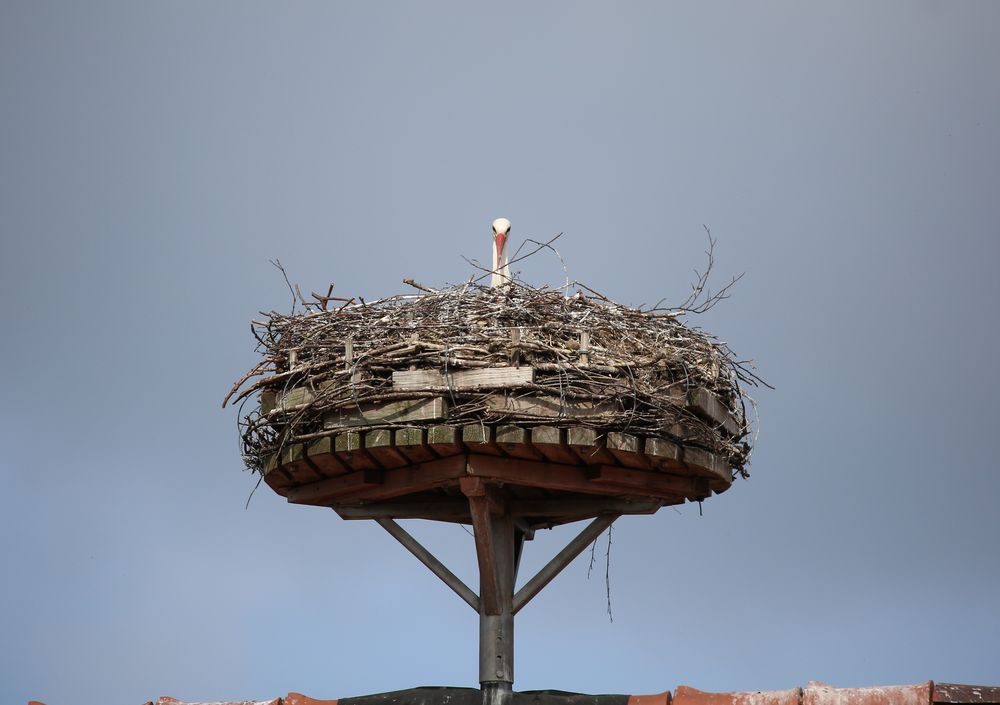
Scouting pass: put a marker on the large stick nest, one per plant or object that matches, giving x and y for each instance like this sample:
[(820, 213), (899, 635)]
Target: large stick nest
[(635, 372)]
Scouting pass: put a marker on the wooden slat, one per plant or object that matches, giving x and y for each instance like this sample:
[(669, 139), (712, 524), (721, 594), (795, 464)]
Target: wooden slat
[(706, 463), (445, 440), (627, 449), (293, 460), (707, 405), (355, 487), (516, 442), (663, 453), (551, 441), (460, 380), (350, 450), (589, 445), (408, 410), (321, 452), (550, 407), (412, 442), (480, 438), (490, 591), (381, 446)]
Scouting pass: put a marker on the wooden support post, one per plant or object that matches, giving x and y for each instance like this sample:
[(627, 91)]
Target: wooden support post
[(497, 543)]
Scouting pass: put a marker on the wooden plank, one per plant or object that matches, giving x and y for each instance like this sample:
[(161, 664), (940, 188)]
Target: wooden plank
[(566, 478), (490, 590), (267, 402), (356, 487), (293, 460), (516, 442), (662, 453), (551, 442), (379, 443), (445, 440), (275, 475), (627, 449), (550, 407), (370, 414), (707, 405), (589, 445), (322, 453), (350, 450), (412, 442), (705, 462), (480, 438), (460, 380)]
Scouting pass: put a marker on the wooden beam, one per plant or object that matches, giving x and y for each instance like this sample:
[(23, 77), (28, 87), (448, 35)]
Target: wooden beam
[(708, 406), (582, 506), (568, 478), (444, 509), (542, 407), (490, 588), (369, 414), (412, 442), (627, 449), (428, 559), (551, 442), (516, 442), (589, 445), (354, 487), (464, 380)]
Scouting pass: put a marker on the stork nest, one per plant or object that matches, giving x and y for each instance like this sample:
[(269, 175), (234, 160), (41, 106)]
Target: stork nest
[(616, 368)]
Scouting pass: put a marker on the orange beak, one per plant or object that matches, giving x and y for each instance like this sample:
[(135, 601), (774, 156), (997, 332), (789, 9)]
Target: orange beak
[(501, 241)]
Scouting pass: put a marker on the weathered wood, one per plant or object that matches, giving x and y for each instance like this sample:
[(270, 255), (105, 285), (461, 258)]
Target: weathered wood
[(516, 442), (570, 478), (431, 409), (663, 453), (267, 402), (357, 487), (412, 442), (460, 380), (709, 407), (550, 407), (445, 440), (323, 455), (649, 482), (585, 347), (580, 507), (627, 449), (380, 445), (589, 445), (349, 447), (444, 509), (428, 559), (706, 463), (490, 590), (294, 461), (551, 442), (276, 477), (480, 438)]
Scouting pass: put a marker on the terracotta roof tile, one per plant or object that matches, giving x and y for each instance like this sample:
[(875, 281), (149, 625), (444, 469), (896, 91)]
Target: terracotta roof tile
[(685, 695), (822, 694)]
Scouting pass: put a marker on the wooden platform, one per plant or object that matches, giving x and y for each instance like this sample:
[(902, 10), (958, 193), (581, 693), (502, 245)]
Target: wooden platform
[(548, 475)]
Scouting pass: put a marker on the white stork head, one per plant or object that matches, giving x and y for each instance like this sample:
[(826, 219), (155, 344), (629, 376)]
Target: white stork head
[(501, 269)]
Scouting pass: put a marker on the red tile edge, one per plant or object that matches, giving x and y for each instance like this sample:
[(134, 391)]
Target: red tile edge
[(817, 693), (654, 699), (686, 695), (300, 699)]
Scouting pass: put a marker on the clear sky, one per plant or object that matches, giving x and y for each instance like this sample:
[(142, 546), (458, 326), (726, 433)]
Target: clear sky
[(155, 156)]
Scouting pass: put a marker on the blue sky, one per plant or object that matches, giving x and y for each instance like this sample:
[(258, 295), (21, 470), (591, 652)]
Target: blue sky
[(155, 156)]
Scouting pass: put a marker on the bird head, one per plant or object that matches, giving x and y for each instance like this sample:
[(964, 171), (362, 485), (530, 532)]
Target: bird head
[(501, 229)]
